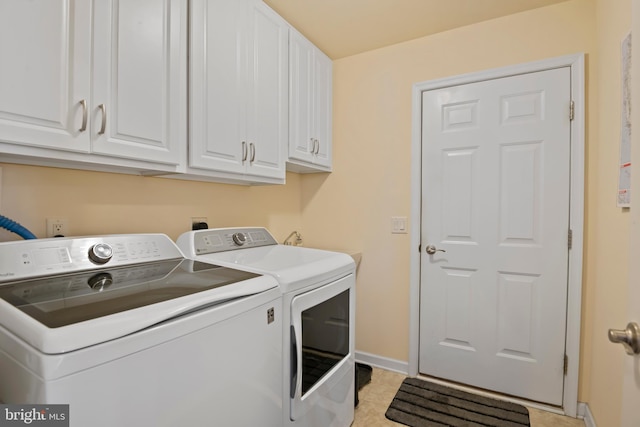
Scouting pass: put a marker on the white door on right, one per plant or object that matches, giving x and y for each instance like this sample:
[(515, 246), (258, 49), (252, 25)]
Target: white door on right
[(495, 208), (630, 416)]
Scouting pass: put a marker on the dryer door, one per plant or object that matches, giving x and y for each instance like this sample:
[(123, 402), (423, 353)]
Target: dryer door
[(322, 348)]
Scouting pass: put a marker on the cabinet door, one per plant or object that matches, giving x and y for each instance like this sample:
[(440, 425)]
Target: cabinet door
[(323, 107), (310, 143), (300, 97), (138, 107), (267, 112), (218, 72), (44, 77)]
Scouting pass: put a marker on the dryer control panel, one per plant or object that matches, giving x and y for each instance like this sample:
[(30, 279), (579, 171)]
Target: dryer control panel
[(229, 239)]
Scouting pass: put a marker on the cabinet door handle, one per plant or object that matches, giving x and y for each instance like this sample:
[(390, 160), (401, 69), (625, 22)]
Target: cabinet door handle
[(317, 147), (103, 127), (83, 127), (313, 145), (244, 151), (253, 152)]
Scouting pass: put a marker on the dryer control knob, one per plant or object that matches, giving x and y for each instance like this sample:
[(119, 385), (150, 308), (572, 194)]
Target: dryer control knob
[(239, 239), (100, 253)]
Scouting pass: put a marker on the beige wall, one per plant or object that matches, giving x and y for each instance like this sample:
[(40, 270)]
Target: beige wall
[(371, 182), (102, 203), (350, 209), (606, 263), (372, 140)]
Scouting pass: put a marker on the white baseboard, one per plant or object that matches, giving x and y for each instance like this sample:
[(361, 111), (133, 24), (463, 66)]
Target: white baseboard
[(382, 362), (585, 414)]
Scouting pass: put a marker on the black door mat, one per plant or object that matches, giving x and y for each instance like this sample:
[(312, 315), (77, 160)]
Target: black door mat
[(420, 403), (363, 374), (363, 377)]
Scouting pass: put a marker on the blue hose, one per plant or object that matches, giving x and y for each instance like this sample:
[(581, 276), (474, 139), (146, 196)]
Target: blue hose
[(14, 227)]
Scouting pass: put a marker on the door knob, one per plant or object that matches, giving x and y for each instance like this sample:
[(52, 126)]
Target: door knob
[(629, 338), (432, 250)]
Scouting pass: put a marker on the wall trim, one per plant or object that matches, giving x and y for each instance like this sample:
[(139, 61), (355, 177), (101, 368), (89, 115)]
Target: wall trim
[(585, 413), (576, 220), (394, 365)]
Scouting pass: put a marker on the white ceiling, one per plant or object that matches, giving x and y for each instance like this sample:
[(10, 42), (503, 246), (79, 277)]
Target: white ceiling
[(346, 27)]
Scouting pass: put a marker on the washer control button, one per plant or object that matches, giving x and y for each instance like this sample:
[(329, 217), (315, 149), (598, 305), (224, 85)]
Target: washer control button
[(239, 239), (100, 253)]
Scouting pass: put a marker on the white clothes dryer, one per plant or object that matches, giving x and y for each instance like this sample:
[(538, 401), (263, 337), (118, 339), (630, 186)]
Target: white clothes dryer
[(128, 332), (318, 289)]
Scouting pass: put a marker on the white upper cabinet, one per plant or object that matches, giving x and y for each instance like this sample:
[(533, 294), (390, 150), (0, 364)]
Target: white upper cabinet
[(44, 73), (125, 111), (103, 85), (138, 104), (238, 92), (310, 98)]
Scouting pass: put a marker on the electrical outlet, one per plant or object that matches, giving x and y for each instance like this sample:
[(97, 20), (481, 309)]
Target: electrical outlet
[(199, 222), (56, 227)]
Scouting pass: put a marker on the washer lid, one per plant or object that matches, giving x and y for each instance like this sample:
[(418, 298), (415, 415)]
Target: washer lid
[(63, 313)]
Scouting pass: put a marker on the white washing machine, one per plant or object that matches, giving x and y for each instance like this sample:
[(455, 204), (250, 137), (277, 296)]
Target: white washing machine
[(128, 332), (318, 290)]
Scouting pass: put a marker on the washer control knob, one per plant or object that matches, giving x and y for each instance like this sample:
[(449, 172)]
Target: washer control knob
[(100, 253), (239, 238), (100, 281)]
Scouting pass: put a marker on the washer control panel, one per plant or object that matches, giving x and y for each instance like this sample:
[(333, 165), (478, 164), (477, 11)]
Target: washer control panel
[(229, 239), (39, 257)]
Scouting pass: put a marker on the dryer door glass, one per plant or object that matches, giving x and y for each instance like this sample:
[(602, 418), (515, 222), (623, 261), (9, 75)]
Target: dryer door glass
[(325, 338)]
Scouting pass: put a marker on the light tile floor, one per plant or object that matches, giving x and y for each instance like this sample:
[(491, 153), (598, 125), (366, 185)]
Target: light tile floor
[(375, 397)]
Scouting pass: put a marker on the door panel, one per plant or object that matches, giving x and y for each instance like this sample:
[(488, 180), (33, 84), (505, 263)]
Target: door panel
[(496, 199), (267, 122), (136, 74), (45, 77), (301, 97), (218, 72), (323, 108)]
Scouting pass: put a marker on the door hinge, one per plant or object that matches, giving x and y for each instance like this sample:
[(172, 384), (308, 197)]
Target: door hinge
[(570, 239), (572, 110), (566, 364)]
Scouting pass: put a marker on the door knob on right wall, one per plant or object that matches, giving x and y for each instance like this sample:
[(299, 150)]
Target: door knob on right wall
[(629, 338)]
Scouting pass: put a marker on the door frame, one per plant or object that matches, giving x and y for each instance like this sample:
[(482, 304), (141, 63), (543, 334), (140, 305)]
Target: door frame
[(576, 208)]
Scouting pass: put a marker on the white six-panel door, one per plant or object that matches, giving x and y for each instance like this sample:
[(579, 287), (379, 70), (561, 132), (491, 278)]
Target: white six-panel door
[(630, 416), (496, 199)]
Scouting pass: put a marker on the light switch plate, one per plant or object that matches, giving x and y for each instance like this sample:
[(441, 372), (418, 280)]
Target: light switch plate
[(399, 224)]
